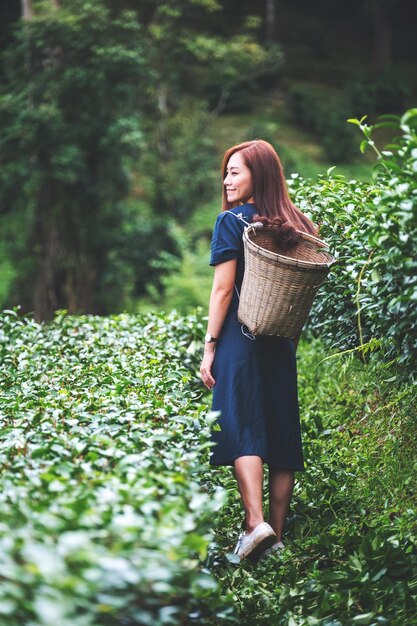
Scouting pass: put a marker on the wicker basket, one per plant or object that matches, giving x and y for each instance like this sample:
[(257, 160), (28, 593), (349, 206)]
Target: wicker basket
[(279, 287)]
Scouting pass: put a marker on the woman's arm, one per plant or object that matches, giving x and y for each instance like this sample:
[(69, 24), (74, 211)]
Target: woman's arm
[(221, 296)]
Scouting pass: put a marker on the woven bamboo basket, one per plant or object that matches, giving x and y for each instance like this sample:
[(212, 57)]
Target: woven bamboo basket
[(279, 286)]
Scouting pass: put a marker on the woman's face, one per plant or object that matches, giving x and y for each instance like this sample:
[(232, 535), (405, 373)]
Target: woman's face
[(238, 181)]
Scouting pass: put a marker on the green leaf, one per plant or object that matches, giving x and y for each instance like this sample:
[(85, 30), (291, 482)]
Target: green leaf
[(409, 115), (354, 120), (363, 145)]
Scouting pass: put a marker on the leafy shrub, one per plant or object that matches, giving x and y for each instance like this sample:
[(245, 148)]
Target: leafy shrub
[(386, 93), (371, 294), (103, 518), (339, 207), (324, 117), (107, 503)]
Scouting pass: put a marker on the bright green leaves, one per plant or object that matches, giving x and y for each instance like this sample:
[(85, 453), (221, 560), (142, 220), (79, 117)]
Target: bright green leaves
[(108, 506), (372, 228), (102, 441)]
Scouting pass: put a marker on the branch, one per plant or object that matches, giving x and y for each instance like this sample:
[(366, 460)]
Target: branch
[(26, 8)]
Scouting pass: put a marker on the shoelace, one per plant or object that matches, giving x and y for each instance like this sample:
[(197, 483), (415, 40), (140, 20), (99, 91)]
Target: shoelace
[(239, 543)]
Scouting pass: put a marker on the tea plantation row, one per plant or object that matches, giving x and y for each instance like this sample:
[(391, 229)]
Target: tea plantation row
[(369, 301), (109, 514), (102, 516)]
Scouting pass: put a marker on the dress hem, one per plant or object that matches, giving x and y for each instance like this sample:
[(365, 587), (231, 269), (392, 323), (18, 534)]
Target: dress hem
[(230, 463)]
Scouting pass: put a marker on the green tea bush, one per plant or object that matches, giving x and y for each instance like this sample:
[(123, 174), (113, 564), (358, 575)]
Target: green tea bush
[(110, 515), (370, 297), (103, 517)]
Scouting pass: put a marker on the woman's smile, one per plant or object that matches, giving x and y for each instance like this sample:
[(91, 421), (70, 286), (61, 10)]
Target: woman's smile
[(239, 175)]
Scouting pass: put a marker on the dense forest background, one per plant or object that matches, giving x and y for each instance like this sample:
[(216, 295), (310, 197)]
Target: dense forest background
[(114, 116)]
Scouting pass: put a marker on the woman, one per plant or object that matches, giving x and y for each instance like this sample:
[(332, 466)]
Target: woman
[(254, 380)]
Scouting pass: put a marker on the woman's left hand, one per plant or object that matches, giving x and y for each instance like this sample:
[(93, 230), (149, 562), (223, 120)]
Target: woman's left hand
[(205, 369)]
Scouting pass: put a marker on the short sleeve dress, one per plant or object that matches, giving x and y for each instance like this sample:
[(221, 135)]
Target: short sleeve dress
[(256, 379)]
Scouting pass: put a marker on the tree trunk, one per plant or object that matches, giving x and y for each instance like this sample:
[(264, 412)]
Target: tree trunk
[(270, 20), (45, 297), (163, 138), (63, 279), (27, 12), (382, 41), (80, 286)]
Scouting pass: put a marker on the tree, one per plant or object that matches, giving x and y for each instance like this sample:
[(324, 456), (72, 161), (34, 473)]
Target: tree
[(382, 36), (91, 89), (270, 20), (69, 122), (27, 12), (194, 74)]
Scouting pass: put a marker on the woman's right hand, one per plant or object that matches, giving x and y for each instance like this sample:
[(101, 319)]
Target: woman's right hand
[(205, 368)]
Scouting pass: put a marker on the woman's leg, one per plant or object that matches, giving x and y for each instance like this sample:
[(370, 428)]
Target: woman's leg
[(249, 474), (281, 484)]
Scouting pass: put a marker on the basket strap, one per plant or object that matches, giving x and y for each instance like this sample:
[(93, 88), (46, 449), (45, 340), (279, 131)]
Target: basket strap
[(239, 217), (248, 334)]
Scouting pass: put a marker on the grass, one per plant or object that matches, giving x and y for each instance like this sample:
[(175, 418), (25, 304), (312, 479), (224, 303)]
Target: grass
[(271, 119)]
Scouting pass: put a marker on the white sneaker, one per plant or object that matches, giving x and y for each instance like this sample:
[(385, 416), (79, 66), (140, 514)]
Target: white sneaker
[(256, 542), (274, 549)]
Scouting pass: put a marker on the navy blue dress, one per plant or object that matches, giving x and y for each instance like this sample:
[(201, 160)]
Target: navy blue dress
[(256, 379)]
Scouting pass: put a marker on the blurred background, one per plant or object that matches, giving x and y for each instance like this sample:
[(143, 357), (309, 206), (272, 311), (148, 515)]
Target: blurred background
[(114, 115)]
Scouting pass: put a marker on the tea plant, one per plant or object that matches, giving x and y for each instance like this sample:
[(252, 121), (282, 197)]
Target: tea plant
[(111, 515), (370, 297), (103, 517)]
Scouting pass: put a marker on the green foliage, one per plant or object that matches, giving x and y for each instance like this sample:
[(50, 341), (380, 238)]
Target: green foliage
[(195, 74), (69, 127), (6, 273), (237, 67), (182, 174), (386, 93), (102, 440), (93, 93), (372, 227), (132, 259), (187, 283), (323, 115), (108, 506), (351, 554)]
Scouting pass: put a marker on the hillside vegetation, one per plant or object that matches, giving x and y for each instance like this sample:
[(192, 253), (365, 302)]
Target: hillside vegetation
[(114, 115), (110, 514)]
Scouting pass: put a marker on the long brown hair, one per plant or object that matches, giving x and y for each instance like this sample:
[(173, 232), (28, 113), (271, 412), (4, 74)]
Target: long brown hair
[(270, 191)]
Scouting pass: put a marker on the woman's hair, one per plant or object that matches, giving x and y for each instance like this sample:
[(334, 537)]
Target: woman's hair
[(269, 189)]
